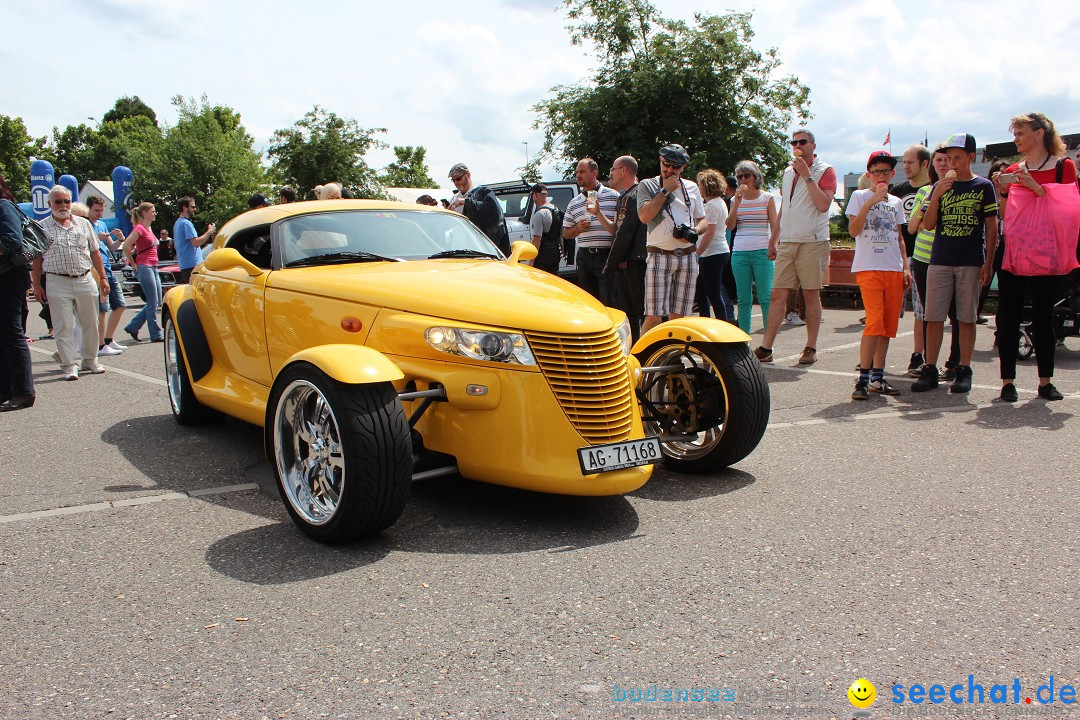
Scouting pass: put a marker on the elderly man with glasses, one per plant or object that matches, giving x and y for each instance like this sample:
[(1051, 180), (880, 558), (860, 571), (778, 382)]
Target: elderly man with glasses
[(800, 246), (73, 292)]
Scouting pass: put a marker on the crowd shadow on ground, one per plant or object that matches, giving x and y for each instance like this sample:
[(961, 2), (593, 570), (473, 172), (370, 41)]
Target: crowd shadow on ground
[(443, 515)]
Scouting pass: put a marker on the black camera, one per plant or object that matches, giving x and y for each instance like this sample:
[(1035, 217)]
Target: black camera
[(685, 232)]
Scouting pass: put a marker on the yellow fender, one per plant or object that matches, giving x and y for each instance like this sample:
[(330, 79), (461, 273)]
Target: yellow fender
[(175, 297), (691, 329), (351, 364)]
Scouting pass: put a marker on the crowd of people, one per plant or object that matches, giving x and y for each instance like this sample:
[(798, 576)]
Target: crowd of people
[(660, 247)]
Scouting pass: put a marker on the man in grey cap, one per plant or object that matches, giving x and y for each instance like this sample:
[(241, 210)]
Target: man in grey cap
[(673, 210), (479, 204)]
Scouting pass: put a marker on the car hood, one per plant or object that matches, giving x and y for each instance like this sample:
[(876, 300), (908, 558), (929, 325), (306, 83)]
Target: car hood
[(478, 291)]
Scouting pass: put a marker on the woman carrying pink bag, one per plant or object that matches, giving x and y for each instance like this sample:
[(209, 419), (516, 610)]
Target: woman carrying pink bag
[(1042, 221)]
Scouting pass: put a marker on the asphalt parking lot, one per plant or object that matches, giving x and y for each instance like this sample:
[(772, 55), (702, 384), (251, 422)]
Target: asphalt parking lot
[(150, 571)]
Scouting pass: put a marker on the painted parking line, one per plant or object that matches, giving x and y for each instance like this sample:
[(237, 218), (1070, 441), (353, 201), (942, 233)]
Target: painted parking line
[(111, 369), (127, 502)]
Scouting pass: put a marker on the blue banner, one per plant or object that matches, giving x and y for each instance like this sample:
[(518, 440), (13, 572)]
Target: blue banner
[(121, 183), (41, 182)]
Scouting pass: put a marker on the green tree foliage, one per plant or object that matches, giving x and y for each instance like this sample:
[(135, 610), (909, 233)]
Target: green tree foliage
[(16, 148), (91, 154), (129, 107), (660, 80), (208, 155), (409, 170), (323, 147), (74, 151)]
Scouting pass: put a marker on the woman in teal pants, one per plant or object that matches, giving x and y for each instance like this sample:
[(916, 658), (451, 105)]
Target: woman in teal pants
[(753, 215)]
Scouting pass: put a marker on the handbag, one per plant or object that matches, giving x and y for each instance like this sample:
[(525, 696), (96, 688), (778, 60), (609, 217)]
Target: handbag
[(35, 242), (1042, 231)]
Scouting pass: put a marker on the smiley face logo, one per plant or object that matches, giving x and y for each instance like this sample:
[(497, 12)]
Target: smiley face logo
[(862, 693)]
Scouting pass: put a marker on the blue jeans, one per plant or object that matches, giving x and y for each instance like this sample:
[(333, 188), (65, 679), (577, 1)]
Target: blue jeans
[(711, 272), (749, 267), (150, 282)]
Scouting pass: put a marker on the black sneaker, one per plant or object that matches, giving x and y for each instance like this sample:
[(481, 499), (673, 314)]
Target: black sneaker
[(928, 379), (915, 365), (1049, 392), (1008, 393), (859, 393), (982, 320), (962, 384), (882, 387)]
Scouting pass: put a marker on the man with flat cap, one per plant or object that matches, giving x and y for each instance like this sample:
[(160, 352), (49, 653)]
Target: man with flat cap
[(479, 204)]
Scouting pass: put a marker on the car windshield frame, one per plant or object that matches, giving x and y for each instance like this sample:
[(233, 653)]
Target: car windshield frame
[(395, 234)]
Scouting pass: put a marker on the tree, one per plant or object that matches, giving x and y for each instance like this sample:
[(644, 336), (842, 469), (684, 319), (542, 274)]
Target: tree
[(208, 155), (75, 150), (661, 81), (16, 149), (409, 170), (323, 147), (127, 107)]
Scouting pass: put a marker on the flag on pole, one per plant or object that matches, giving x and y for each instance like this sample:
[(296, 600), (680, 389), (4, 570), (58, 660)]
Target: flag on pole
[(888, 137)]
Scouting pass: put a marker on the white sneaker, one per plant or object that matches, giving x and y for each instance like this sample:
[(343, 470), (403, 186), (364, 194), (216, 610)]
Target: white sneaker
[(94, 369), (71, 374), (107, 351), (794, 319), (117, 346)]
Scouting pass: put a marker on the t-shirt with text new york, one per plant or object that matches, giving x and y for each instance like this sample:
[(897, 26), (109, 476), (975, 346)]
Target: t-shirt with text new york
[(877, 247), (962, 213)]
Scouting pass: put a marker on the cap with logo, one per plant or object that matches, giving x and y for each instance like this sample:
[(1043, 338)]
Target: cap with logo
[(961, 140), (881, 156)]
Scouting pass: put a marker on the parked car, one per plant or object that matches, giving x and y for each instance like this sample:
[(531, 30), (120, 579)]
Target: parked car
[(167, 269), (379, 343), (517, 204)]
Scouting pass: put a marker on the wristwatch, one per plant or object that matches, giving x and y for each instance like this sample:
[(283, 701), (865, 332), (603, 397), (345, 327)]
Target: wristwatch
[(664, 191), (809, 180)]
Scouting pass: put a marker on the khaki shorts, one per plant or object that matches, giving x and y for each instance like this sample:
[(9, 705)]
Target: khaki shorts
[(801, 263), (942, 281)]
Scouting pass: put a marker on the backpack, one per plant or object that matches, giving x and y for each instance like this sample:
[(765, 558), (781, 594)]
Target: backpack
[(482, 207), (35, 242), (554, 234)]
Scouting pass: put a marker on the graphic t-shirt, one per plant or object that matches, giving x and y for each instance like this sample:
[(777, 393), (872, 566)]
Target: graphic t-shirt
[(924, 240), (906, 192), (877, 247), (962, 211), (716, 214)]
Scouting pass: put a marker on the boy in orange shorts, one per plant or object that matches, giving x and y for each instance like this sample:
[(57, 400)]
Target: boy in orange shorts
[(881, 269)]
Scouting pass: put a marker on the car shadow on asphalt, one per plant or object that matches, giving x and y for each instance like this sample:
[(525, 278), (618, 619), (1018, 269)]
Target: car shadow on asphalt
[(668, 486)]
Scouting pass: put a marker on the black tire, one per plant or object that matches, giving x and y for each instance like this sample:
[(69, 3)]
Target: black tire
[(186, 408), (342, 454), (722, 399)]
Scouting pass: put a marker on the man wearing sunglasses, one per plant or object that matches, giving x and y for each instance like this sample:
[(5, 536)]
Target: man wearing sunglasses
[(673, 210), (801, 246)]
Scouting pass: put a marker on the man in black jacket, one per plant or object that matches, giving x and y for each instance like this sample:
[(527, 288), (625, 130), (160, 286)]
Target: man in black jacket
[(626, 261)]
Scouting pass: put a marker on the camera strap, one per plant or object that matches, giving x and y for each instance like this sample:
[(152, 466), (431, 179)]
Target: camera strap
[(686, 196)]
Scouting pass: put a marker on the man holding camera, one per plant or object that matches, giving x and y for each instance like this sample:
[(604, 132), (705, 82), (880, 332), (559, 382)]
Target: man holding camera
[(672, 209)]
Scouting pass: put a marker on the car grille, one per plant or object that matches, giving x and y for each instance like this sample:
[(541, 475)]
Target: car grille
[(590, 379)]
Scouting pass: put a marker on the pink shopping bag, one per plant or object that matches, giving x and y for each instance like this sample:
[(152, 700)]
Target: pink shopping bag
[(1041, 232)]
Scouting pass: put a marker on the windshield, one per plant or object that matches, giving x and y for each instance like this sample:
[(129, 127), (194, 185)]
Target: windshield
[(391, 234)]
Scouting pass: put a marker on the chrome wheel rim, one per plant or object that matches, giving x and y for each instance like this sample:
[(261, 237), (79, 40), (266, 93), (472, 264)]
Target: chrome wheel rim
[(308, 453), (172, 365), (667, 394)]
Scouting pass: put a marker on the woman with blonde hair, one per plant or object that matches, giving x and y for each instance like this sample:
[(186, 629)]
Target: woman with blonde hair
[(712, 248), (1045, 162), (140, 250), (753, 213), (329, 191)]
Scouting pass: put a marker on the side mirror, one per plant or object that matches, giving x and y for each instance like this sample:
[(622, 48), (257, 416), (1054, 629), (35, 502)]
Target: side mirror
[(520, 251), (224, 259)]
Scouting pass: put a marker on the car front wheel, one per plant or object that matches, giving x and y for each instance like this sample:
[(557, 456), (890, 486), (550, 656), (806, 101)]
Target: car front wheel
[(342, 454), (710, 407), (185, 406)]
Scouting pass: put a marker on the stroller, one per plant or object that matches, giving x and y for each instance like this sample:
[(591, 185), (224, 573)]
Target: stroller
[(1066, 316)]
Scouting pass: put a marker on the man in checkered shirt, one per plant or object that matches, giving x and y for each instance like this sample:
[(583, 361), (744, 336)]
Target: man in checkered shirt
[(73, 291)]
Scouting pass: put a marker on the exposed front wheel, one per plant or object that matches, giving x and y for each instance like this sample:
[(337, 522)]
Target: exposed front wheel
[(342, 453), (186, 408), (712, 412)]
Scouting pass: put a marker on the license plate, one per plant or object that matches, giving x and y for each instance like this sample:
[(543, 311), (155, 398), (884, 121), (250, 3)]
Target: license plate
[(616, 456)]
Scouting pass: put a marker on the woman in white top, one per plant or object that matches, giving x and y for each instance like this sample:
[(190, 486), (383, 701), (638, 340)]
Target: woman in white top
[(753, 216), (712, 248)]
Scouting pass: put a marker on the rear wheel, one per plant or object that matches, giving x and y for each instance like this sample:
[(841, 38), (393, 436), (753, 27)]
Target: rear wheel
[(710, 414), (342, 453), (185, 406)]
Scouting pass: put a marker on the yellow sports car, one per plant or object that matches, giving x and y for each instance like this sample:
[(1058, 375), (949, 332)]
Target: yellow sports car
[(379, 343)]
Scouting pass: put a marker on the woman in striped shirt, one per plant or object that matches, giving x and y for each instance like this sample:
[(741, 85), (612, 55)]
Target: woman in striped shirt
[(753, 214)]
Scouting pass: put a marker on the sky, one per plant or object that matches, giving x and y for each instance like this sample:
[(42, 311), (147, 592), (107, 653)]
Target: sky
[(461, 78)]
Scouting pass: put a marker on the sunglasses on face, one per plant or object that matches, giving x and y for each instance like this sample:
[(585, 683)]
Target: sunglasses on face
[(61, 202), (670, 165), (458, 179), (800, 141), (744, 175)]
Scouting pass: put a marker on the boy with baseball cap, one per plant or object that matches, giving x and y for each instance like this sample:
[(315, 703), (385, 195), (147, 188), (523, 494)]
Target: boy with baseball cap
[(962, 212), (881, 269)]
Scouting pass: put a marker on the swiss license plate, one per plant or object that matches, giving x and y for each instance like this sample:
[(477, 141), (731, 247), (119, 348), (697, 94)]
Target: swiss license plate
[(616, 456)]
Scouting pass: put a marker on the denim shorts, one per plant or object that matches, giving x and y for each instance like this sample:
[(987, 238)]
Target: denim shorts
[(116, 296)]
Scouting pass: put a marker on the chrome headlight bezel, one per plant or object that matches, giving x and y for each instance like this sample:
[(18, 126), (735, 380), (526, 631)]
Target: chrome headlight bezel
[(485, 345), (626, 337)]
